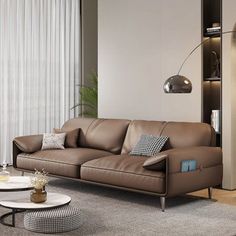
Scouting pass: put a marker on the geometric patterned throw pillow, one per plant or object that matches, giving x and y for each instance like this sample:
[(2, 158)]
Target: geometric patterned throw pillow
[(53, 141), (149, 145)]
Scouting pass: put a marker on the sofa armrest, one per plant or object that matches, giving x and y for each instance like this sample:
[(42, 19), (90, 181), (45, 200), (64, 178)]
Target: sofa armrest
[(205, 157), (209, 170), (29, 144)]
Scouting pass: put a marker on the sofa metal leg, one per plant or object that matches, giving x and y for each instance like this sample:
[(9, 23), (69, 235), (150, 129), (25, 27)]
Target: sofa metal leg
[(163, 203), (210, 192), (22, 173)]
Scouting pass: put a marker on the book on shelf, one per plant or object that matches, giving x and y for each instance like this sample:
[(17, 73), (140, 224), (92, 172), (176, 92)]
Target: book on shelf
[(213, 29)]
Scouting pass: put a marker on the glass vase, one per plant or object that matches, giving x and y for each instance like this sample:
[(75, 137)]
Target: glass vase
[(38, 195), (4, 174)]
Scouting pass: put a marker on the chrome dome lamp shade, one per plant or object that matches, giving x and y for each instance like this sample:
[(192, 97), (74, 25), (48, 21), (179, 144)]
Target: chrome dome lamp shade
[(178, 84)]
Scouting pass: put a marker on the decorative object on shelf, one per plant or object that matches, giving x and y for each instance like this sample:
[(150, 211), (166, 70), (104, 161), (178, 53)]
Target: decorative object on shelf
[(214, 29), (215, 120), (179, 83), (39, 181), (4, 174), (215, 65), (216, 24)]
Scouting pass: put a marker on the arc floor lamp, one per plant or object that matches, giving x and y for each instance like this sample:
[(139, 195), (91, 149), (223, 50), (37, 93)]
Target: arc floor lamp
[(179, 83)]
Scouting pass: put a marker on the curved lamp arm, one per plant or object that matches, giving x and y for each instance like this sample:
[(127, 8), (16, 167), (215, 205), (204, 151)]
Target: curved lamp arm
[(204, 41), (201, 43), (180, 84)]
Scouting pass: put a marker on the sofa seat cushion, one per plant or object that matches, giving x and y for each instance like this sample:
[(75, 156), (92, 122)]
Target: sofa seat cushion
[(123, 171), (65, 162)]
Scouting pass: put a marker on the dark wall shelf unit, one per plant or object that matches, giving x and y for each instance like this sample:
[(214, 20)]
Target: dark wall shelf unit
[(211, 34), (211, 67), (212, 79)]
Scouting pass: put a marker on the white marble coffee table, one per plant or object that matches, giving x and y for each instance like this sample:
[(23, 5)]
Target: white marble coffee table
[(19, 203), (23, 203), (16, 183)]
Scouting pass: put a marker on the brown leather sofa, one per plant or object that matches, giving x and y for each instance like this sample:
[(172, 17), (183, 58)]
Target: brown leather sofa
[(102, 156)]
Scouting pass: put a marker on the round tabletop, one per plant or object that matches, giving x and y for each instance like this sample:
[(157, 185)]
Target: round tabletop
[(16, 183), (24, 203)]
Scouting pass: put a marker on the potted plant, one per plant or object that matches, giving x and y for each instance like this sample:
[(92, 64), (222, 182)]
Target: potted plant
[(88, 97), (39, 181)]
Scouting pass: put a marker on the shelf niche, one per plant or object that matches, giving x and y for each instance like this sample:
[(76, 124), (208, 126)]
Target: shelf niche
[(211, 56)]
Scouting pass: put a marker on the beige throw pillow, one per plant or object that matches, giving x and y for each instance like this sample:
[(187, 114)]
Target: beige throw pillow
[(53, 141)]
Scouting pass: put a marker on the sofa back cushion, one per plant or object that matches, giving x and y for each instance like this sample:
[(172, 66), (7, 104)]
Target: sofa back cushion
[(104, 134), (187, 134), (107, 134), (139, 127), (181, 134), (81, 123)]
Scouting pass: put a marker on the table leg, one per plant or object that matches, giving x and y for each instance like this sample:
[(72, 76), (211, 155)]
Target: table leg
[(13, 217), (13, 214)]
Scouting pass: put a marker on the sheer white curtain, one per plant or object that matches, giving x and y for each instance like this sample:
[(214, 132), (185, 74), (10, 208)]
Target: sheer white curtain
[(39, 67)]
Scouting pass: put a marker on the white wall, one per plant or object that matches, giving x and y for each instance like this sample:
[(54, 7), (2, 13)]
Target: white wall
[(229, 95), (140, 44)]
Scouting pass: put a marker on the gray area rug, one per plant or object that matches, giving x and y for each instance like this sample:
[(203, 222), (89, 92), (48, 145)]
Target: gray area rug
[(108, 211)]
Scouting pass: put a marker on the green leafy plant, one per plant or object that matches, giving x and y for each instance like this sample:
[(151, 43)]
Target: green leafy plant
[(88, 97)]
